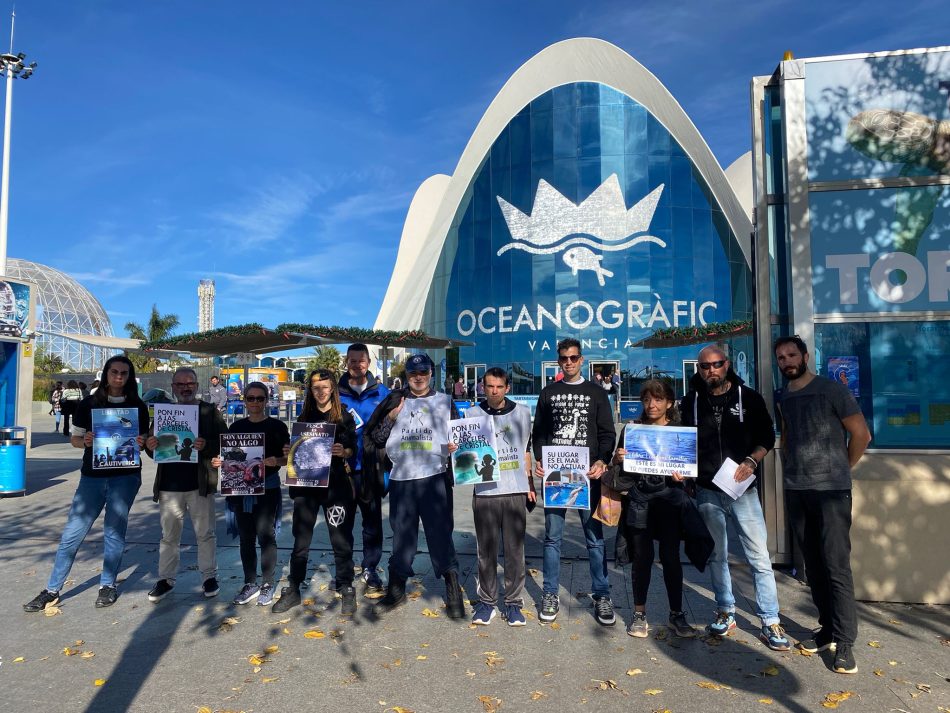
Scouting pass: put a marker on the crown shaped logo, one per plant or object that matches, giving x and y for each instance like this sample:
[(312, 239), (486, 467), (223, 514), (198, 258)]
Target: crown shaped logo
[(602, 221)]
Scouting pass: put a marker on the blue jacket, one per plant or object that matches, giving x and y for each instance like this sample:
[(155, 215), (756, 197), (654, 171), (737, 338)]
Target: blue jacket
[(364, 404)]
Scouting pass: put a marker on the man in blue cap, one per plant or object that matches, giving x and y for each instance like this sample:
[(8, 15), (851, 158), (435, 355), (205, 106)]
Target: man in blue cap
[(413, 427)]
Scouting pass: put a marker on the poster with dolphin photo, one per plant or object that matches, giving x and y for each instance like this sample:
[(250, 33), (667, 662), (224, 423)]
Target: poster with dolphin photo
[(308, 463), (660, 450), (566, 484), (176, 428), (114, 431), (476, 460)]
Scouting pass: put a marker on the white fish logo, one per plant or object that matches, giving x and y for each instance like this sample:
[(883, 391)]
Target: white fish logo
[(602, 222)]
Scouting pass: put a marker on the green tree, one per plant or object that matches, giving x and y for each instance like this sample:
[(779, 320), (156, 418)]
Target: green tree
[(158, 327), (326, 357), (47, 363)]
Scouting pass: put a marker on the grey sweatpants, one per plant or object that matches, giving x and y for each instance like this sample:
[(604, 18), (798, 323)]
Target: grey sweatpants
[(507, 514)]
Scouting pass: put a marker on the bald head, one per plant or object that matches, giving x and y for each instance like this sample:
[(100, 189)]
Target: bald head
[(713, 368)]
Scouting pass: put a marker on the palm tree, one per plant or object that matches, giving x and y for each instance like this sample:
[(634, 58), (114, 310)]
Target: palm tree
[(159, 326)]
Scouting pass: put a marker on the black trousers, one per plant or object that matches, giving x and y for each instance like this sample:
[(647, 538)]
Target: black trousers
[(339, 507), (821, 525), (665, 527), (371, 511), (429, 500), (257, 528)]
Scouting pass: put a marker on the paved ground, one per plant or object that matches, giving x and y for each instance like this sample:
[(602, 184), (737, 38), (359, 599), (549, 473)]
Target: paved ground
[(187, 653)]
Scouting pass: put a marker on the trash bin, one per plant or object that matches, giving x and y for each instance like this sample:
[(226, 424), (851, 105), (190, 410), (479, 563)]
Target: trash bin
[(12, 460)]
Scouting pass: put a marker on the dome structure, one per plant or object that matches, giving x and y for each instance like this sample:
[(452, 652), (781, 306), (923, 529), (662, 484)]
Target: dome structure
[(63, 306)]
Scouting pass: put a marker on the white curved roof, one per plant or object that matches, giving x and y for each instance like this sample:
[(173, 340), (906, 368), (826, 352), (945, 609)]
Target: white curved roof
[(739, 174), (567, 62)]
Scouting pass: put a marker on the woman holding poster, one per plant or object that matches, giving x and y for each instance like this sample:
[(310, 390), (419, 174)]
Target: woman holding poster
[(258, 515), (112, 489), (652, 511), (338, 500)]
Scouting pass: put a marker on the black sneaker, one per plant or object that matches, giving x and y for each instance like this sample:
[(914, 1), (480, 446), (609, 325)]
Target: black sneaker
[(549, 607), (348, 593), (395, 596), (160, 590), (211, 587), (844, 659), (680, 626), (107, 597), (604, 611), (41, 601), (289, 598), (819, 642)]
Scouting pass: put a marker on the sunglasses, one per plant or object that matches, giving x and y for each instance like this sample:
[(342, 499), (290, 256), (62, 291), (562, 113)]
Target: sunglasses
[(185, 384), (255, 399), (707, 365), (573, 358)]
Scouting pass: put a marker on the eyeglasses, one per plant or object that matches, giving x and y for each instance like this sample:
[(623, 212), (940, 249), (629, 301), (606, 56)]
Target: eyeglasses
[(707, 365), (255, 399), (185, 384), (573, 358)]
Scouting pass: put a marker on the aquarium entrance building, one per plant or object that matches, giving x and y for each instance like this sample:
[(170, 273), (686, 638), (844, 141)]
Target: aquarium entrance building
[(587, 204)]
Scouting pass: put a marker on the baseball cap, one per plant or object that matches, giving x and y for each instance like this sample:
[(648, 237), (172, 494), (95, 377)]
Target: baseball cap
[(418, 363)]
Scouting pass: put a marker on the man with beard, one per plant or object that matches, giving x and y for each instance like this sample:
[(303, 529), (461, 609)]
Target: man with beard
[(824, 435), (732, 422), (188, 487)]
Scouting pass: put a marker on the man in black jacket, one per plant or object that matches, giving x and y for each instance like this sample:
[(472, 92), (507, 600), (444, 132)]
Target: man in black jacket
[(733, 422), (575, 412)]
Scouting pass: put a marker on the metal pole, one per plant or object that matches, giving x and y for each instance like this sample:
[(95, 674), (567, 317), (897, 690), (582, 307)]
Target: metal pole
[(5, 179)]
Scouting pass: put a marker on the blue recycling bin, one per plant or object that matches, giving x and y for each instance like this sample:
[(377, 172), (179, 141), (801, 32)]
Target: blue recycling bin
[(12, 460)]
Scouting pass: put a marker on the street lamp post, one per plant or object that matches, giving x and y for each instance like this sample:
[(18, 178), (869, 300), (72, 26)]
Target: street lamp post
[(12, 65)]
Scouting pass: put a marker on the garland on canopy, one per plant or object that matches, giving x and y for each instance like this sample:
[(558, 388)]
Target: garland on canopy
[(705, 333), (340, 334), (356, 334)]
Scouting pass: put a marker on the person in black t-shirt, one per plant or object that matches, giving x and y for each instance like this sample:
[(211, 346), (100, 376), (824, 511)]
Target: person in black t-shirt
[(112, 489), (338, 500), (258, 515)]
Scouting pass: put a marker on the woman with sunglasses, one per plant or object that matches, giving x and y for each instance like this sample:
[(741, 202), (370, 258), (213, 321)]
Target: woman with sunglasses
[(652, 511), (322, 405), (257, 515)]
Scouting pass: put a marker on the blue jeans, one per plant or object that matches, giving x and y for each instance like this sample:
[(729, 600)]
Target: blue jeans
[(594, 536), (116, 494), (746, 514)]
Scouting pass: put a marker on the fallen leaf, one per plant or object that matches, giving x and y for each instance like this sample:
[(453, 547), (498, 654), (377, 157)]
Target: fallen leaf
[(86, 655), (308, 602), (286, 630), (18, 659), (712, 686), (574, 637), (533, 572), (271, 649), (547, 674), (429, 613), (491, 705), (256, 669), (423, 646), (653, 691), (269, 680), (802, 652), (314, 634), (833, 699), (323, 587), (608, 685), (537, 695), (661, 634), (766, 701), (894, 622), (99, 682), (555, 626), (492, 659), (204, 709), (399, 709), (874, 644), (892, 663), (413, 595), (228, 623), (79, 642), (52, 611), (878, 672), (421, 658), (923, 687), (771, 670), (255, 660), (70, 652)]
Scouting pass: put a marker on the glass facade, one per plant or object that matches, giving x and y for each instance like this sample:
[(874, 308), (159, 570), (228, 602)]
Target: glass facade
[(587, 219)]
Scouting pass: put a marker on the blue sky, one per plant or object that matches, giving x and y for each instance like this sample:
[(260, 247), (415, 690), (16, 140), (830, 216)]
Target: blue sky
[(275, 147)]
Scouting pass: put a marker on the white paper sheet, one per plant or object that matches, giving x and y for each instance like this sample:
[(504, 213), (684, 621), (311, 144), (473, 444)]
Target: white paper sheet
[(725, 478)]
